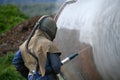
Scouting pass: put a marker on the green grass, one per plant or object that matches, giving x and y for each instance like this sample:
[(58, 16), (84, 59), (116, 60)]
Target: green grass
[(7, 70), (10, 16)]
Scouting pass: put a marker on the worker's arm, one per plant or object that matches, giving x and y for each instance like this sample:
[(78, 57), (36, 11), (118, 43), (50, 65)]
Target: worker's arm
[(54, 63), (19, 64)]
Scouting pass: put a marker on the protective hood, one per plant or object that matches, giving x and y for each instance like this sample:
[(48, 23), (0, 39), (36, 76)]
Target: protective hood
[(39, 45)]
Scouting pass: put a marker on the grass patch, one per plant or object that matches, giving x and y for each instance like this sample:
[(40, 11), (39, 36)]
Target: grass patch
[(7, 70), (10, 16)]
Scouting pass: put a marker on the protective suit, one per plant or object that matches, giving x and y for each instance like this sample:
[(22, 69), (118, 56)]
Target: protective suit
[(47, 54)]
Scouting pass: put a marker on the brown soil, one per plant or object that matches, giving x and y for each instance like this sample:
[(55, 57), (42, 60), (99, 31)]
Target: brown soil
[(10, 41)]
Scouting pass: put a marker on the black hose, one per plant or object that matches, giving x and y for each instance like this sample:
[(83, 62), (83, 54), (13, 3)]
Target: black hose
[(29, 38)]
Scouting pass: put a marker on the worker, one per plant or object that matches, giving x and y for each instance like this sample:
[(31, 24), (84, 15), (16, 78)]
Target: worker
[(40, 59)]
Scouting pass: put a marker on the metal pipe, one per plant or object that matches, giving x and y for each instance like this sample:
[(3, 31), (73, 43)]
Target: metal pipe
[(62, 7)]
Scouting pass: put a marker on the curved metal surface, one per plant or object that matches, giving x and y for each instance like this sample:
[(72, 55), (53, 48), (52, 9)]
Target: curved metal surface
[(96, 24), (82, 67)]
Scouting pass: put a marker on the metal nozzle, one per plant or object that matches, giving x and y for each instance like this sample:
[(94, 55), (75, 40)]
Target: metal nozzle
[(72, 56)]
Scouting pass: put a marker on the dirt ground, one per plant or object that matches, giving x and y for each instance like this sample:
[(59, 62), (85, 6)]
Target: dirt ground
[(11, 40)]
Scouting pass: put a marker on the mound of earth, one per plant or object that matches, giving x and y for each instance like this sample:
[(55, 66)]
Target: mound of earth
[(11, 40)]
